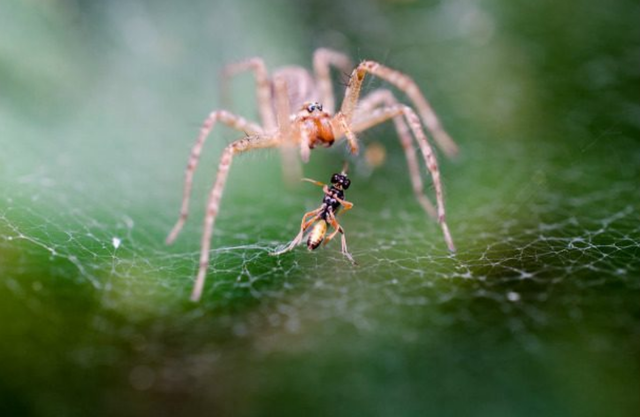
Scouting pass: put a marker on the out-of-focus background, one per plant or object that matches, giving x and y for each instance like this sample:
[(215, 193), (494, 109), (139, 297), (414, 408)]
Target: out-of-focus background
[(537, 313)]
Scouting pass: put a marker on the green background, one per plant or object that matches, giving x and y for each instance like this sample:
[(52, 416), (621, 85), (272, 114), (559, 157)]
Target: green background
[(537, 314)]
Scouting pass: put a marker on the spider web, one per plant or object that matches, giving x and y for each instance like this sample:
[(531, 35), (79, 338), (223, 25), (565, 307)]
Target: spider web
[(105, 233), (546, 272), (536, 262)]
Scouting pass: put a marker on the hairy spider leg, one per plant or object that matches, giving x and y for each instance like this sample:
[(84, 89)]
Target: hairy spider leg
[(263, 88), (352, 140), (406, 84), (305, 143), (231, 120), (291, 167), (380, 115), (301, 87), (323, 59), (384, 97), (213, 203)]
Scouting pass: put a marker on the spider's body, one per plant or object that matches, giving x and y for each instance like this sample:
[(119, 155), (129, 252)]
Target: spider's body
[(312, 124), (318, 126)]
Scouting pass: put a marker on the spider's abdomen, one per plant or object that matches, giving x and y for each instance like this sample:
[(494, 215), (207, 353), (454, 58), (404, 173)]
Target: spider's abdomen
[(317, 235)]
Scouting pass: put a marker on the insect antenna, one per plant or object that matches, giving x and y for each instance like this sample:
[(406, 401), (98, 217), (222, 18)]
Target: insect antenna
[(345, 167)]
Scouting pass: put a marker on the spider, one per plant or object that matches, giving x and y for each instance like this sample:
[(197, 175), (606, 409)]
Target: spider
[(314, 123), (325, 215)]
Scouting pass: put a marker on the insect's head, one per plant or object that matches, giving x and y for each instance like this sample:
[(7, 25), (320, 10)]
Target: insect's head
[(341, 180), (312, 107)]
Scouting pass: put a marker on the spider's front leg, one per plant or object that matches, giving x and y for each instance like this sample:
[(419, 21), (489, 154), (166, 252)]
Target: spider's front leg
[(406, 84), (213, 203), (348, 132), (231, 120), (291, 167), (305, 142)]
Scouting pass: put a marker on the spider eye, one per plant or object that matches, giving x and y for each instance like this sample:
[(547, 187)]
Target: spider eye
[(335, 178), (313, 107), (346, 183)]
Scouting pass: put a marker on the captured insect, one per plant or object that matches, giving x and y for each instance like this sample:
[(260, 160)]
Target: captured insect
[(325, 216), (297, 111)]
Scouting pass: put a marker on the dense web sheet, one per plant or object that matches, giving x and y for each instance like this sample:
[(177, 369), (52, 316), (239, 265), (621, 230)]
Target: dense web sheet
[(514, 253)]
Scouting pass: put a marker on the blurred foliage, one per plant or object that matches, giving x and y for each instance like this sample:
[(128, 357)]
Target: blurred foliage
[(536, 315)]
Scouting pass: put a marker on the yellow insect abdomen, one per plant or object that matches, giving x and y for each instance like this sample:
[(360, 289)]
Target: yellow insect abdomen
[(317, 235)]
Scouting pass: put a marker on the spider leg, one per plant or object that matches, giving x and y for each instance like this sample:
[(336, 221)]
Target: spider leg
[(386, 113), (410, 88), (343, 124), (304, 225), (363, 122), (290, 164), (263, 87), (292, 85), (323, 58), (305, 140), (231, 120), (213, 202), (334, 223)]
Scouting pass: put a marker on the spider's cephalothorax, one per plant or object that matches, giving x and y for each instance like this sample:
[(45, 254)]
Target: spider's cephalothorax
[(292, 117), (316, 125), (324, 216)]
